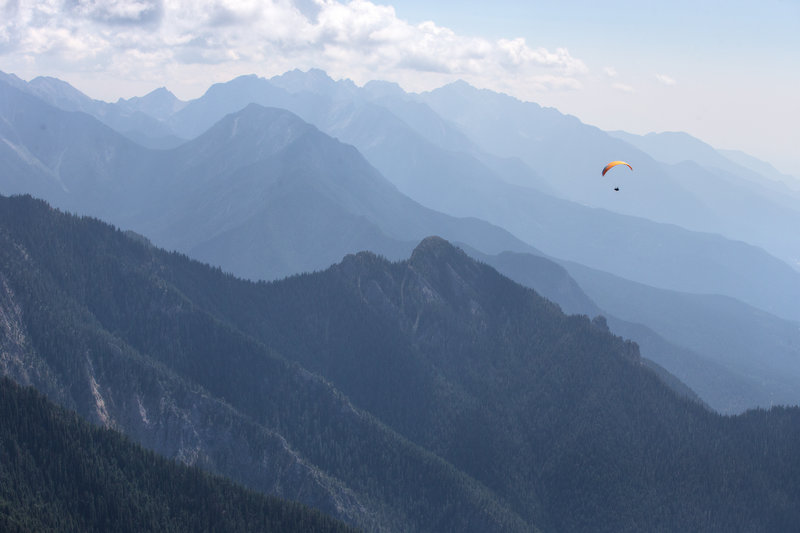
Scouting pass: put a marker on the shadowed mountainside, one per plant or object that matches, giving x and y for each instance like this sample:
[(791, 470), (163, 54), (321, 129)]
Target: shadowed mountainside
[(430, 394), (62, 474)]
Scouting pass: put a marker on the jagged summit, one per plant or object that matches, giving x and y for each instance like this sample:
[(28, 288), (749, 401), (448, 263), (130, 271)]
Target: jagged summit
[(314, 80), (160, 95), (313, 75), (258, 120), (250, 135), (459, 85), (60, 93), (432, 243), (435, 248), (240, 85), (50, 81), (159, 103), (11, 79), (160, 91), (360, 261)]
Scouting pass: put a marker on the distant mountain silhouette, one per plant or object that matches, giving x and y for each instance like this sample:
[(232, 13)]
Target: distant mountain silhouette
[(762, 168), (122, 118), (758, 348), (448, 172), (712, 195), (159, 103), (753, 206), (261, 194), (734, 356)]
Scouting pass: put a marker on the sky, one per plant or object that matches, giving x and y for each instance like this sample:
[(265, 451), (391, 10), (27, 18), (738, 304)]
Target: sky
[(727, 72)]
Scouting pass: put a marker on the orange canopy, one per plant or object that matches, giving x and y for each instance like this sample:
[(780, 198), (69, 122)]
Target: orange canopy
[(613, 164)]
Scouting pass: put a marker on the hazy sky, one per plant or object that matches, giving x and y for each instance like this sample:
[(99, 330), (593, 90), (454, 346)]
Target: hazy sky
[(727, 72)]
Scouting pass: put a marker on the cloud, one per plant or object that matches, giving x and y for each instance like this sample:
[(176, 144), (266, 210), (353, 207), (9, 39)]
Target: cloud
[(623, 87), (611, 72), (357, 39), (666, 80), (117, 11)]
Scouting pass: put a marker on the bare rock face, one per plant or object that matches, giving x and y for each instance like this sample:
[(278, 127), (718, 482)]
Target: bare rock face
[(14, 347), (18, 359), (188, 424)]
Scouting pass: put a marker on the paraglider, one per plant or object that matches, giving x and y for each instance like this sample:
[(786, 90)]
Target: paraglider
[(615, 163), (612, 165)]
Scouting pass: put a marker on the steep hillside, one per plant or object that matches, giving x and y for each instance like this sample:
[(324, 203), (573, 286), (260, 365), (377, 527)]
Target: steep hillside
[(137, 119), (71, 159), (733, 356), (431, 394), (264, 176), (761, 350), (60, 473), (541, 407), (94, 319)]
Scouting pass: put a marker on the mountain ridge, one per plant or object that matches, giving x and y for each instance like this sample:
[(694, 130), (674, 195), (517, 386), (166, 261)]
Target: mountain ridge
[(460, 186), (194, 400), (137, 188), (724, 377), (410, 384)]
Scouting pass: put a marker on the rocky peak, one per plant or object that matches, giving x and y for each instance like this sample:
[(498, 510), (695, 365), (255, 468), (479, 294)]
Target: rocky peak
[(435, 248)]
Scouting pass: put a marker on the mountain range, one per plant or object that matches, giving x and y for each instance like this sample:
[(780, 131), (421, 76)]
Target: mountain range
[(260, 202), (429, 394), (680, 332), (453, 174), (262, 193)]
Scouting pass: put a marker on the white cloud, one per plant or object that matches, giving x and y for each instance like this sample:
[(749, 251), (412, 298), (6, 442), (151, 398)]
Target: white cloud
[(611, 72), (666, 80), (152, 38), (623, 87)]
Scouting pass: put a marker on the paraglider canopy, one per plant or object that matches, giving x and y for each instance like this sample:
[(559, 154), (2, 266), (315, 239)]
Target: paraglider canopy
[(613, 164)]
